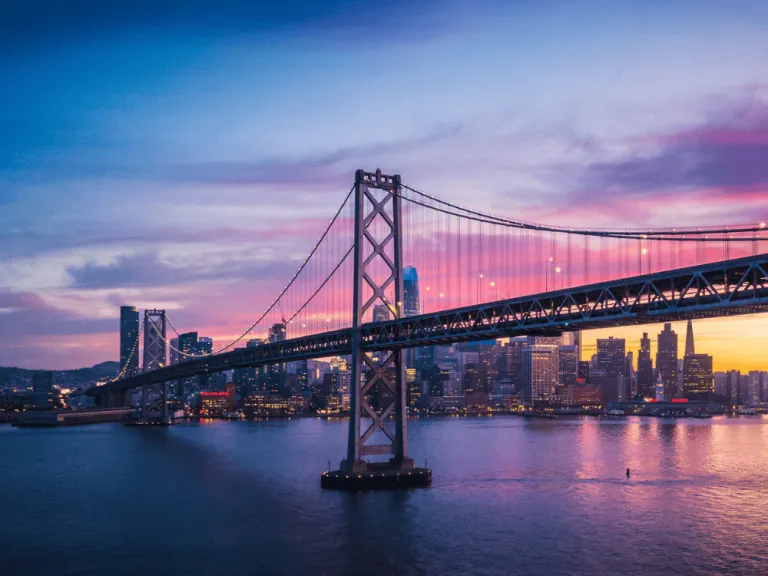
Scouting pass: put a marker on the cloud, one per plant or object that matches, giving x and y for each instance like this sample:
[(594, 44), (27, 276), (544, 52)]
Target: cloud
[(718, 169), (147, 269), (28, 314)]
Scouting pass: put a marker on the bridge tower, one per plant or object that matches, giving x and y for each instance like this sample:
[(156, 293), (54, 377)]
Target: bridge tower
[(377, 423), (154, 357)]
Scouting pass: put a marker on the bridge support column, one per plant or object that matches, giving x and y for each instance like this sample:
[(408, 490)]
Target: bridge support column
[(377, 387)]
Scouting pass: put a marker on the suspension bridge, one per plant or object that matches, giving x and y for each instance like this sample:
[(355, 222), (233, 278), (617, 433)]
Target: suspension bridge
[(481, 276)]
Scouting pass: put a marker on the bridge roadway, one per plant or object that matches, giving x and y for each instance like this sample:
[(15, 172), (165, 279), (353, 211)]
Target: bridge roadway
[(731, 287)]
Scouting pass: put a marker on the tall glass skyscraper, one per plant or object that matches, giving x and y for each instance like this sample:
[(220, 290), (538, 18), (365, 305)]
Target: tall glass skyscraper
[(129, 337), (411, 305)]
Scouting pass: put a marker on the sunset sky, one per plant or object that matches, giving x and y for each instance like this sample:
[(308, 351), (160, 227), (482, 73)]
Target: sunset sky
[(186, 155)]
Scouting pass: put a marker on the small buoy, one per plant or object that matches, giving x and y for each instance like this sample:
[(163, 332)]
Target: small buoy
[(627, 472)]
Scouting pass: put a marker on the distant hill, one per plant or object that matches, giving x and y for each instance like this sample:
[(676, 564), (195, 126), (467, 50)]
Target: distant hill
[(21, 377)]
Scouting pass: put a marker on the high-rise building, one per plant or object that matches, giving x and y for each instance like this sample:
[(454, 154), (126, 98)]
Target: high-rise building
[(611, 369), (204, 345), (381, 313), (512, 357), (611, 356), (666, 360), (569, 365), (583, 374), (411, 305), (275, 373), (187, 345), (489, 358), (732, 386), (645, 387), (540, 372), (129, 340), (721, 383), (698, 382), (173, 352), (629, 374), (690, 349), (754, 388)]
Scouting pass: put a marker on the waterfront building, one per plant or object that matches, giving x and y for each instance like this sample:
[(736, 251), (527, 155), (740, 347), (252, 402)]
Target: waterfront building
[(754, 391), (540, 372), (265, 404), (129, 339)]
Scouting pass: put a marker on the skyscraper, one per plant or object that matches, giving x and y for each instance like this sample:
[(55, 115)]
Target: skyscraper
[(611, 355), (411, 307), (732, 386), (698, 383), (645, 387), (569, 365), (690, 350), (204, 345), (129, 339), (611, 365), (540, 372), (666, 360)]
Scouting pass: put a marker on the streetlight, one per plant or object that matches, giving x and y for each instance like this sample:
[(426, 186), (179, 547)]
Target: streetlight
[(496, 290), (554, 283)]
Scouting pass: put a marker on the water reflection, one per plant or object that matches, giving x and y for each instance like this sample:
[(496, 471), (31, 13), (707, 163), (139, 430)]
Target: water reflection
[(539, 497)]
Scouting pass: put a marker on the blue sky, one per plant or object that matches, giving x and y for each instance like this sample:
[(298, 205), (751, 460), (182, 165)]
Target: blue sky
[(171, 153)]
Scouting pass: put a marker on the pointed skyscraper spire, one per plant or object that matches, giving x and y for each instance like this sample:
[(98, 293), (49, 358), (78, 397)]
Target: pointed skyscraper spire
[(689, 348)]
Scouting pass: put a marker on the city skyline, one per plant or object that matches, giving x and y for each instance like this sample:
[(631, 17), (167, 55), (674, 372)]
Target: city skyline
[(191, 170)]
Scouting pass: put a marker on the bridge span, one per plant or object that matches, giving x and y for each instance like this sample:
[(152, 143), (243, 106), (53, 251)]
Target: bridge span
[(727, 288), (486, 276)]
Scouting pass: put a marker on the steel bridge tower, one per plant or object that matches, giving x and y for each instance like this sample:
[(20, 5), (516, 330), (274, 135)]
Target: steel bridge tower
[(377, 387), (154, 358)]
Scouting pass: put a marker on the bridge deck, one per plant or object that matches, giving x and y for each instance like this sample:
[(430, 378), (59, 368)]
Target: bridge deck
[(731, 287)]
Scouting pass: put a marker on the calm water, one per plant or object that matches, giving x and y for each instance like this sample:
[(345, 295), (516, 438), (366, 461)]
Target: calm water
[(509, 497)]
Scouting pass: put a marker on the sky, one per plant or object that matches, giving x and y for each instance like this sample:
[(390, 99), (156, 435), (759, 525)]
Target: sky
[(186, 155)]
